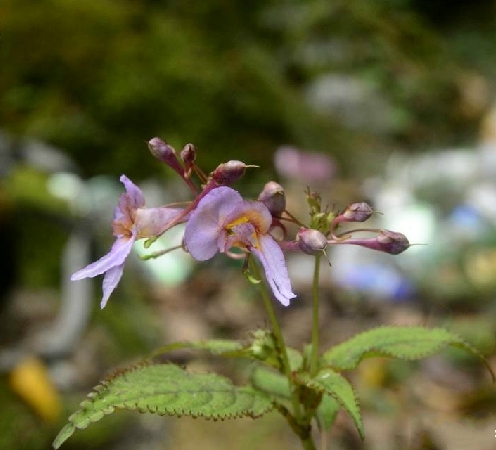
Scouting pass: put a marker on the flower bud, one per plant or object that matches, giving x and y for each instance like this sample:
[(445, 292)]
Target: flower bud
[(188, 155), (274, 198), (165, 153), (387, 241), (356, 212), (392, 242), (162, 151), (311, 241), (228, 173)]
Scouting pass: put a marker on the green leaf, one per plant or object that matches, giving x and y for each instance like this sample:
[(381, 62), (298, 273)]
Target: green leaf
[(327, 412), (410, 343), (339, 388), (224, 347), (295, 359), (167, 389), (270, 382), (262, 348)]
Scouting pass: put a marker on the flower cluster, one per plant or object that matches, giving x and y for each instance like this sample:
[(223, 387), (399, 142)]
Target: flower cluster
[(219, 220)]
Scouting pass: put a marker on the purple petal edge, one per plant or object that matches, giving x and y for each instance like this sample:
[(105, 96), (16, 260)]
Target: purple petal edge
[(115, 257), (272, 259), (110, 281)]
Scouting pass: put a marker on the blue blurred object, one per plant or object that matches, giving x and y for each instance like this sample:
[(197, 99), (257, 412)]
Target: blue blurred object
[(445, 201), (376, 281)]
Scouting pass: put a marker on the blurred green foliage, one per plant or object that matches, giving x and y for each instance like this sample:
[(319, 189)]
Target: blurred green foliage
[(99, 78)]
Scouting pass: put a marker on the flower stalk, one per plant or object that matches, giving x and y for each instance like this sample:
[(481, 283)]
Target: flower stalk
[(314, 355)]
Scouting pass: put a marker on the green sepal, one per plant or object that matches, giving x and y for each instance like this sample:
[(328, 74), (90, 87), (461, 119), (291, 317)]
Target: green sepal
[(409, 343), (167, 389), (339, 388)]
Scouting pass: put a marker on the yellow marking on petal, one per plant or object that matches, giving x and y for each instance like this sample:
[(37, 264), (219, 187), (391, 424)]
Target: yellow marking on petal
[(251, 216), (238, 221)]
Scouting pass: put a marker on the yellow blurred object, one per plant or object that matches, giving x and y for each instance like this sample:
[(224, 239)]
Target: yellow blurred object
[(373, 373), (30, 380)]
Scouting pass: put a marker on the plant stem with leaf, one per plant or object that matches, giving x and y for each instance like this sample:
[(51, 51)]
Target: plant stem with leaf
[(295, 419)]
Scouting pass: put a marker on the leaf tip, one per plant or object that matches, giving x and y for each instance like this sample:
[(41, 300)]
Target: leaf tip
[(64, 434)]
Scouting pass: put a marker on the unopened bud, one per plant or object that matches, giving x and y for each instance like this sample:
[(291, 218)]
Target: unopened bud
[(356, 212), (188, 155), (165, 153), (274, 198), (162, 151), (392, 242), (387, 241), (228, 173), (311, 241)]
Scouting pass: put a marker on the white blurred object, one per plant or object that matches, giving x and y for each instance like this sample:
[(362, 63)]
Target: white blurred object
[(446, 201)]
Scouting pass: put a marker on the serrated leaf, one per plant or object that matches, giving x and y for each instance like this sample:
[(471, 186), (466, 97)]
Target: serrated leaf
[(167, 389), (410, 343), (339, 388)]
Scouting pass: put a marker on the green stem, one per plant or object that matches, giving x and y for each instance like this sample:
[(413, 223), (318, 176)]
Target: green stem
[(302, 430), (276, 329), (308, 443), (314, 358)]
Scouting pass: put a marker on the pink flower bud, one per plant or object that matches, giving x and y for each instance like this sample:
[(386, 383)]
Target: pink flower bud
[(387, 241), (356, 212), (165, 153), (311, 241), (274, 198), (162, 151), (228, 173), (188, 155), (392, 242)]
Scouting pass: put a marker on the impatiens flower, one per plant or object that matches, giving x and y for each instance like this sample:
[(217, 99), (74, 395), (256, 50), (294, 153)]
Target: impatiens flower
[(132, 221), (223, 220)]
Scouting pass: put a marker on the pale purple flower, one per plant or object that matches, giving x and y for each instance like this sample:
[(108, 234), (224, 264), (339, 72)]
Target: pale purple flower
[(223, 220), (306, 167), (132, 221)]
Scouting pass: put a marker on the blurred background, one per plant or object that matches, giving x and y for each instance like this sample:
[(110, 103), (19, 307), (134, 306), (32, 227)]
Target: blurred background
[(389, 102)]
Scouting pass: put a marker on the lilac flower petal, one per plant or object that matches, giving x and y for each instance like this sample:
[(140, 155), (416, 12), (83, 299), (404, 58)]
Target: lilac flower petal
[(134, 192), (116, 257), (121, 214), (272, 259), (152, 221), (206, 222), (110, 281)]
